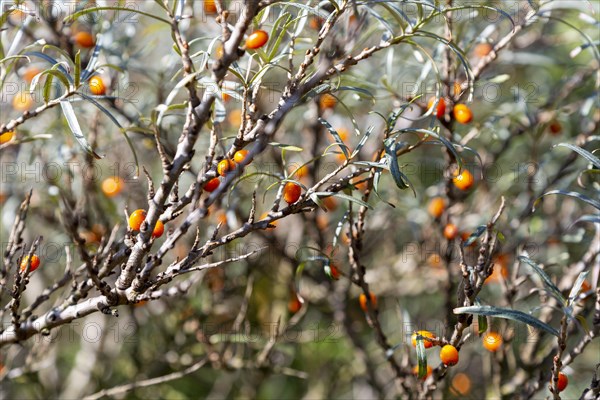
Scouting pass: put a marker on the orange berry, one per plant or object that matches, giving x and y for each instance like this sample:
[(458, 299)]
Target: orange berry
[(449, 355), (483, 49), (159, 229), (440, 110), (492, 341), (425, 334), (240, 156), (265, 215), (334, 272), (212, 185), (6, 137), (555, 127), (301, 171), (464, 180), (210, 7), (225, 166), (30, 73), (84, 39), (322, 222), (585, 287), (457, 88), (434, 260), (563, 381), (291, 192), (450, 231), (362, 299), (315, 23), (436, 207), (416, 371), (462, 383), (257, 39), (22, 101), (136, 218), (330, 203), (112, 186), (327, 101), (35, 263), (235, 117), (462, 114), (294, 305), (500, 271), (97, 86), (226, 97), (343, 133)]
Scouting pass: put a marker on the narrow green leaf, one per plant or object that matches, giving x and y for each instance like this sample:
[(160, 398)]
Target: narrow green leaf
[(345, 197), (69, 19), (507, 313), (400, 179), (577, 287), (47, 91), (576, 195), (421, 358), (584, 153), (336, 137), (287, 147), (545, 279), (475, 235), (77, 73), (69, 113)]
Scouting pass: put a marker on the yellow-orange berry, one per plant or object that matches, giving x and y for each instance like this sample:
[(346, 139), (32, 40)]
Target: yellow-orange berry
[(362, 299), (464, 180), (225, 166), (449, 355), (492, 341), (212, 185), (563, 381), (210, 7), (416, 371), (555, 127), (240, 156), (22, 101), (257, 39), (294, 305), (334, 272), (291, 192), (97, 86), (35, 263), (327, 101), (315, 23), (235, 117), (425, 334), (274, 223), (330, 203), (158, 230), (136, 219), (462, 114), (440, 110), (461, 383), (112, 186), (436, 207), (30, 73), (450, 231), (84, 39), (482, 49), (6, 137)]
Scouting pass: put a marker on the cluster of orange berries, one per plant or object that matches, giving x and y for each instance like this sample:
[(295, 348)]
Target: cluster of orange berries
[(461, 112), (138, 217), (448, 353)]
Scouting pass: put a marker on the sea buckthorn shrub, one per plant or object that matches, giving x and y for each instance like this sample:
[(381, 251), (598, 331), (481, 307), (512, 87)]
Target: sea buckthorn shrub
[(258, 199)]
